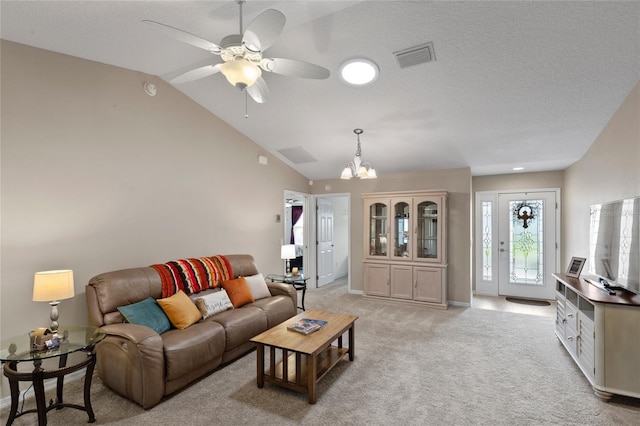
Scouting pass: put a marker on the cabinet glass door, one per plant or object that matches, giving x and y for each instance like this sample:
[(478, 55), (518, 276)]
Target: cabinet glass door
[(378, 231), (401, 238), (427, 231)]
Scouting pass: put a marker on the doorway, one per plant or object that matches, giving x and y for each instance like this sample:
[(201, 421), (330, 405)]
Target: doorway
[(516, 248), (337, 238), (325, 244), (332, 238), (295, 229)]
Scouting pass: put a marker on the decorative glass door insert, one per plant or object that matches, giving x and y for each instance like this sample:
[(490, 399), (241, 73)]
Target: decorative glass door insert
[(487, 240), (526, 242), (527, 250)]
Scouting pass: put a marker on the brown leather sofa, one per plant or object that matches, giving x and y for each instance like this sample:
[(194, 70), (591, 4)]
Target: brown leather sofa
[(144, 366)]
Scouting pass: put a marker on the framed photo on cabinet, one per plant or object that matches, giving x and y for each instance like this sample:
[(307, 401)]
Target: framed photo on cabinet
[(575, 267)]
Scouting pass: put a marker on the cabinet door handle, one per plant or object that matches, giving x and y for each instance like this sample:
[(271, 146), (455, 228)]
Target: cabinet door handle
[(570, 315), (570, 338)]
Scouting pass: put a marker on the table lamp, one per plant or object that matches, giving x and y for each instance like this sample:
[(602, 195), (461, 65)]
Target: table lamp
[(288, 252), (53, 286)]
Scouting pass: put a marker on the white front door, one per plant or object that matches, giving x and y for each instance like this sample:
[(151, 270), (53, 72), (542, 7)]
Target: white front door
[(324, 219), (527, 246)]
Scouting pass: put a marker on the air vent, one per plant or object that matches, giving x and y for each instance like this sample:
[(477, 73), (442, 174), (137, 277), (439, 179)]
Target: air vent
[(415, 55), (297, 155)]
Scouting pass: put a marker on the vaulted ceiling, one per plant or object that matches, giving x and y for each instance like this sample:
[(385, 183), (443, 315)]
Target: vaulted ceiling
[(529, 84)]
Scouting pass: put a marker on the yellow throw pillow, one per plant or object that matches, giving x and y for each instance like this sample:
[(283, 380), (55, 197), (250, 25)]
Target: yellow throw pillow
[(182, 312), (238, 291)]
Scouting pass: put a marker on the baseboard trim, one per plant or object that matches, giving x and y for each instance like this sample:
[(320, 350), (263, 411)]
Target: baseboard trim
[(461, 304)]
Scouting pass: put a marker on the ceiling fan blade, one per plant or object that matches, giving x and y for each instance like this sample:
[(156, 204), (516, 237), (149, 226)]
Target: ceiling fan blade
[(295, 68), (196, 74), (186, 37), (259, 91), (264, 30)]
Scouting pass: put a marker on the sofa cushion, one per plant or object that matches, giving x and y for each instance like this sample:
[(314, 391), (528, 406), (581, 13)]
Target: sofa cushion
[(257, 286), (276, 308), (182, 312), (242, 324), (146, 312), (186, 350), (212, 303), (238, 291)]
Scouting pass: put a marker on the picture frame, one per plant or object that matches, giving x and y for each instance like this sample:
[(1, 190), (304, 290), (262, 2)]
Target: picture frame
[(575, 267)]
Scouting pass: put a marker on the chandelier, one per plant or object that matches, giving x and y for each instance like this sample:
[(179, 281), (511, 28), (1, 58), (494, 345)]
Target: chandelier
[(358, 168)]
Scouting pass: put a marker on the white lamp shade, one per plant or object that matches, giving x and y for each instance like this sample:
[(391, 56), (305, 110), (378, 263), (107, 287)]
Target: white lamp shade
[(371, 174), (240, 72), (346, 173), (288, 251), (50, 286), (362, 172)]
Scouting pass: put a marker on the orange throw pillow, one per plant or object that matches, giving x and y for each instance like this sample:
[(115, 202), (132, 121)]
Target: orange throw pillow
[(182, 312), (238, 291)]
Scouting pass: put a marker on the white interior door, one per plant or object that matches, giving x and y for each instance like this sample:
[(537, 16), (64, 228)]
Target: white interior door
[(527, 246), (324, 220)]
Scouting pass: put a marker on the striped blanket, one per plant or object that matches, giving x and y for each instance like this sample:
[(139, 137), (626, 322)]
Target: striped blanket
[(194, 274)]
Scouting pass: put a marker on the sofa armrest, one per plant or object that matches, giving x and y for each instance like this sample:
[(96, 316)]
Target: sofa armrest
[(282, 289), (131, 363), (138, 334)]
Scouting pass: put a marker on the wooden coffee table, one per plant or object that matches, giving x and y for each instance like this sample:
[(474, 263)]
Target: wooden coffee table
[(305, 358)]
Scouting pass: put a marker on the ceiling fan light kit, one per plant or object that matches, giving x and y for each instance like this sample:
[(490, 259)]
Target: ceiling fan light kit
[(357, 167), (243, 55), (241, 73)]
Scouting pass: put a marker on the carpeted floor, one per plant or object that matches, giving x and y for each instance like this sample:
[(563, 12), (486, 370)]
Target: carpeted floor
[(413, 365)]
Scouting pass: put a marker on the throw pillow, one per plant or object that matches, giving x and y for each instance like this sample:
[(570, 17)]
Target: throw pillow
[(180, 309), (213, 303), (238, 291), (146, 312), (257, 286)]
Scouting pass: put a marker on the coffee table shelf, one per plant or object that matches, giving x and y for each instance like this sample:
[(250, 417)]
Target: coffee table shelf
[(296, 367)]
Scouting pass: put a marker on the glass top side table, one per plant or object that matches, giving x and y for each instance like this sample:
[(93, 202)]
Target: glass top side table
[(16, 350), (299, 282)]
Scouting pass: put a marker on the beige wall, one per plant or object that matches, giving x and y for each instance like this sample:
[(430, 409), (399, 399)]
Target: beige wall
[(456, 181), (97, 176), (517, 181), (610, 170)]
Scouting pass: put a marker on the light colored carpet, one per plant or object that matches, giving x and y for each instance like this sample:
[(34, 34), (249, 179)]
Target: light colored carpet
[(413, 365)]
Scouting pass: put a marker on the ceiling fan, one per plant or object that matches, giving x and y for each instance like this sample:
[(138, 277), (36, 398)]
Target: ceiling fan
[(243, 55)]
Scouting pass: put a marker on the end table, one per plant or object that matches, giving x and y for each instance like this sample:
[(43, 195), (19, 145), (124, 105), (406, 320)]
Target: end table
[(73, 340), (299, 282)]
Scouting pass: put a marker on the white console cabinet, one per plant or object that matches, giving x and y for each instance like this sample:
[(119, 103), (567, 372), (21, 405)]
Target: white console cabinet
[(601, 332)]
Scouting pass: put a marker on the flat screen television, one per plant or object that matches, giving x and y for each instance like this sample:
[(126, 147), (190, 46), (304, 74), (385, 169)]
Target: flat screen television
[(614, 244)]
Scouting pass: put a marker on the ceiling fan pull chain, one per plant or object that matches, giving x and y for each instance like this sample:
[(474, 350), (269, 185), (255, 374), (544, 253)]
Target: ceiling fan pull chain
[(246, 105)]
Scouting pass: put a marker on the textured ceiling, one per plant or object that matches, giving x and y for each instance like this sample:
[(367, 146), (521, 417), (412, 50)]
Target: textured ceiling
[(528, 84)]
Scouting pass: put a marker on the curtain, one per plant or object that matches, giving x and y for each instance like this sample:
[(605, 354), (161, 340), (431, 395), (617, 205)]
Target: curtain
[(296, 212)]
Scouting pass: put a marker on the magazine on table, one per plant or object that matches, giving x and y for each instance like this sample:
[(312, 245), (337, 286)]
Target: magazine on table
[(307, 325)]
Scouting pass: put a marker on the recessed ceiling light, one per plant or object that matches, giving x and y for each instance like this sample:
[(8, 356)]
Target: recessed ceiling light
[(517, 169), (359, 72)]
